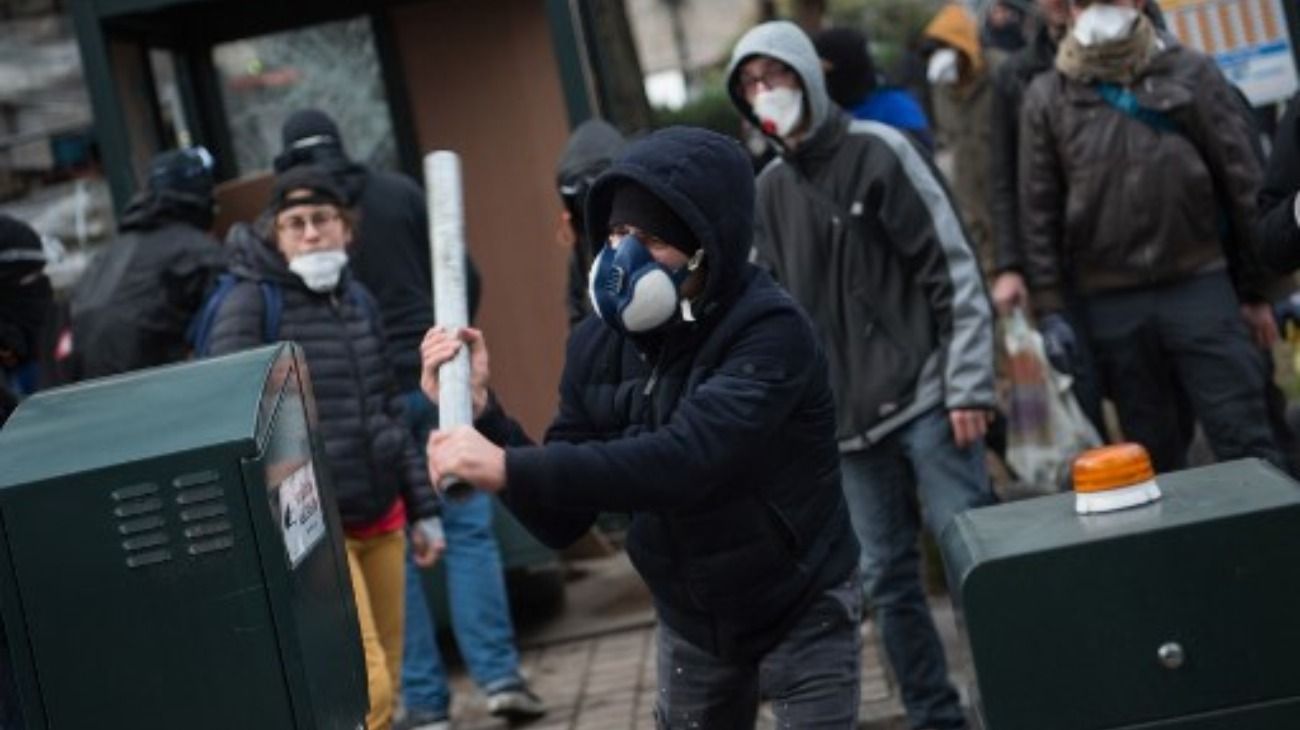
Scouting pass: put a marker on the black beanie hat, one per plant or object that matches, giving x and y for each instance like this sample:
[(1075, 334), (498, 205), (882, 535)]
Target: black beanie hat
[(324, 191), (305, 124), (20, 246), (852, 73), (635, 206)]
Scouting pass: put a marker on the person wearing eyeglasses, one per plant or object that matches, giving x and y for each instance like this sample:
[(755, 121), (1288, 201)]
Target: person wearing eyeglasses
[(300, 246), (132, 306), (854, 222)]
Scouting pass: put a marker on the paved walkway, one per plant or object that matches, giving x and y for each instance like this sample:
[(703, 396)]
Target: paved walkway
[(596, 670)]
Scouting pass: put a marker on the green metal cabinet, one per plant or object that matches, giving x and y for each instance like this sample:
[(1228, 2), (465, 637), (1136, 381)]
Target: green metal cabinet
[(171, 555), (1181, 614)]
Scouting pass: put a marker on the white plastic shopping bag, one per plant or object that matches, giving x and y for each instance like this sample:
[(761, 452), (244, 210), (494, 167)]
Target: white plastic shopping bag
[(1046, 427)]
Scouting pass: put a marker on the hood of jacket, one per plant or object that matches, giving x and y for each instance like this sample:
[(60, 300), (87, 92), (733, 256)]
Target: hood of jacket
[(955, 27), (591, 148), (787, 43), (706, 179)]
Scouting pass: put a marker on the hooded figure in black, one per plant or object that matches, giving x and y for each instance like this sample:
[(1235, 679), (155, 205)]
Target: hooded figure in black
[(698, 401), (25, 298), (591, 148), (132, 307)]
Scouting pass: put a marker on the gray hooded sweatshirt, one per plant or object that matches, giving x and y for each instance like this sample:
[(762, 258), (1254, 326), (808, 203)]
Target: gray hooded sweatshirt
[(853, 220)]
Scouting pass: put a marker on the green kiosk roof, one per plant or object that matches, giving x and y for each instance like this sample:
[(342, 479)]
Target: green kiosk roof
[(136, 416)]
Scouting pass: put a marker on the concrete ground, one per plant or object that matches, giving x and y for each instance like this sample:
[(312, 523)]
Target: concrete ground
[(594, 663)]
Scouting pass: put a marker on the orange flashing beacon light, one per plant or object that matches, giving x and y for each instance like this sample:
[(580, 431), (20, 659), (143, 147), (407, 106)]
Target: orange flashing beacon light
[(1113, 478)]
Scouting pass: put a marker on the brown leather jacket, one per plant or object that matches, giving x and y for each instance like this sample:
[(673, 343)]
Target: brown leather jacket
[(1112, 201)]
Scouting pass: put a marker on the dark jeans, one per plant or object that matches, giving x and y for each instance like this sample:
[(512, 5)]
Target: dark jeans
[(813, 677), (917, 468), (1151, 342)]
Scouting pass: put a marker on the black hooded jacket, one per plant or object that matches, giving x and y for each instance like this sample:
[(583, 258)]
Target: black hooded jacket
[(718, 435), (1278, 231), (133, 305), (368, 449), (590, 150)]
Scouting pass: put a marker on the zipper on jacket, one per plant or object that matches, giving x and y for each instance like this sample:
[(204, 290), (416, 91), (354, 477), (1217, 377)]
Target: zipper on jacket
[(355, 367)]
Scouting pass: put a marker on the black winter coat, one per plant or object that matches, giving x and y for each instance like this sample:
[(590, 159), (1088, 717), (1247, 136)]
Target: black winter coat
[(134, 304), (369, 451), (717, 435), (1278, 232), (1009, 83)]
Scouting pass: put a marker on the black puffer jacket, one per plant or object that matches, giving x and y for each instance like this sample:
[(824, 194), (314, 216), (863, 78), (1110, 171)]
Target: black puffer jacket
[(370, 453), (718, 435)]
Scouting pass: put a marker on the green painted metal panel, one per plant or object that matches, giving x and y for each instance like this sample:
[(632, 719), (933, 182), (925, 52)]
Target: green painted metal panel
[(1067, 614), (150, 577), (134, 417)]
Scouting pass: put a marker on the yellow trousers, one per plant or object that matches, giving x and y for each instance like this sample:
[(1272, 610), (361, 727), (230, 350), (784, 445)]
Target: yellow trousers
[(379, 584)]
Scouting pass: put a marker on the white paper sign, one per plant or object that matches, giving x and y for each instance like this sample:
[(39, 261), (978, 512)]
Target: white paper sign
[(301, 518)]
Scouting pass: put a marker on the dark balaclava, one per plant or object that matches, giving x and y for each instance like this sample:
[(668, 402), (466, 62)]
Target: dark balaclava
[(311, 137), (635, 206), (852, 73), (25, 293)]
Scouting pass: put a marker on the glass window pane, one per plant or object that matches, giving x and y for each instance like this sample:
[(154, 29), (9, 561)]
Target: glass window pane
[(332, 67)]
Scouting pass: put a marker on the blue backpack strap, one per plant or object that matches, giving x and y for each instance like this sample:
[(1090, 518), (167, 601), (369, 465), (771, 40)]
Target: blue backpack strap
[(199, 332), (272, 308), (1122, 99)]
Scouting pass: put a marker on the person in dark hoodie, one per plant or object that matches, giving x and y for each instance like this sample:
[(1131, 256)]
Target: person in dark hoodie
[(25, 300), (852, 82), (300, 246), (697, 401), (390, 256), (591, 148), (854, 221), (132, 307)]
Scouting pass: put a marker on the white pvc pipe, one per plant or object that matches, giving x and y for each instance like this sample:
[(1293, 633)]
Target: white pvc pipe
[(450, 302)]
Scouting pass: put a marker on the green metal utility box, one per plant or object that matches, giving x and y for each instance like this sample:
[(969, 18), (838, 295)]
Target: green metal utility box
[(171, 555), (1183, 613)]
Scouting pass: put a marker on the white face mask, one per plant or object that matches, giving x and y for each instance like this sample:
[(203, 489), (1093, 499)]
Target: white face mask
[(779, 110), (320, 270), (1100, 24), (944, 67)]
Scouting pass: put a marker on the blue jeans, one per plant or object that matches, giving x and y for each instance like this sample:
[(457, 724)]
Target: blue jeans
[(480, 612), (812, 676), (882, 485)]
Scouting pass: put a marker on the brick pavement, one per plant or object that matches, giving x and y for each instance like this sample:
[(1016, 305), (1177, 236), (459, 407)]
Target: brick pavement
[(605, 680)]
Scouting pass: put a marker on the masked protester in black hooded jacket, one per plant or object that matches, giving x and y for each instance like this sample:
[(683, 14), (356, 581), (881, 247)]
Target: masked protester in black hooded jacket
[(25, 299), (698, 401), (132, 307)]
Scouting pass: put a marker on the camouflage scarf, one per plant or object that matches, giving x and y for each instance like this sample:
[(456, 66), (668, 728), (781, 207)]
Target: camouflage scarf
[(1118, 62)]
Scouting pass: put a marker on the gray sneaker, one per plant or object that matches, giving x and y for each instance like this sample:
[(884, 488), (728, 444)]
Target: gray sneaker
[(423, 720), (515, 703)]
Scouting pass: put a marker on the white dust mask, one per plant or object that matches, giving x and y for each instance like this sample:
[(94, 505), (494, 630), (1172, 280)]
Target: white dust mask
[(320, 270), (944, 67), (1100, 24), (779, 110)]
